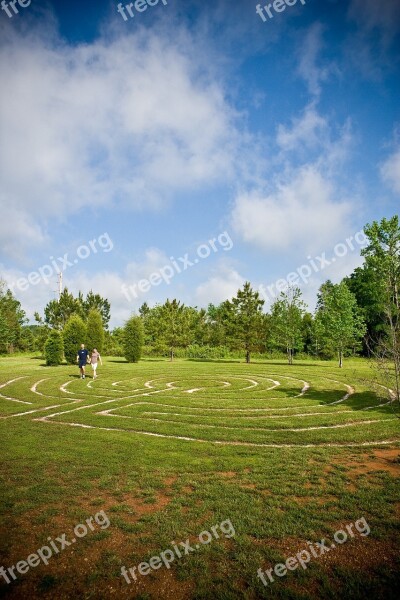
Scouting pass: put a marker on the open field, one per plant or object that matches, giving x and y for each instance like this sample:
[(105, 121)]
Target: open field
[(289, 455)]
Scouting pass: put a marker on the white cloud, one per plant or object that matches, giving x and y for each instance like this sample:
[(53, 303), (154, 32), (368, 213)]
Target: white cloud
[(390, 171), (308, 131), (128, 120), (302, 212), (309, 68), (222, 285), (18, 231)]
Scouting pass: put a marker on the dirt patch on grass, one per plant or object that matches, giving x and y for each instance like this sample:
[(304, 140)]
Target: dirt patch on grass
[(302, 500), (381, 460), (227, 474)]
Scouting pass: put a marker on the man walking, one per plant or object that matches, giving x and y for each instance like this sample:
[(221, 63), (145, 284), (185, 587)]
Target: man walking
[(81, 359)]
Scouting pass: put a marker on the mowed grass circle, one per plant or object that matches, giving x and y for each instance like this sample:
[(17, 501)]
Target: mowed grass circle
[(261, 404)]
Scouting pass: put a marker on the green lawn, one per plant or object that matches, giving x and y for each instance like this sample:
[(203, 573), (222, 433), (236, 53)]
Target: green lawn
[(287, 455)]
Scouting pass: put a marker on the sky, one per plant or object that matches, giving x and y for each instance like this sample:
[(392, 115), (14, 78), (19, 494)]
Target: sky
[(193, 146)]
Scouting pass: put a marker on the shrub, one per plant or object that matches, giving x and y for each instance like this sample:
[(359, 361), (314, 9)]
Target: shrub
[(95, 331), (74, 335), (133, 339), (54, 348)]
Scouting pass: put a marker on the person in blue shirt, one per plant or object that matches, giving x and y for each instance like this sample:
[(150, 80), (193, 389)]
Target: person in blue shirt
[(81, 359)]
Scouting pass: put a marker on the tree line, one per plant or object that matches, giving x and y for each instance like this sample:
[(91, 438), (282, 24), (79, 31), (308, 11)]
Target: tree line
[(359, 315)]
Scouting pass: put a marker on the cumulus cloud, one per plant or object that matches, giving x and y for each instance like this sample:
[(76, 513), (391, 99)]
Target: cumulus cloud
[(223, 284), (390, 171), (308, 131), (126, 121), (300, 212)]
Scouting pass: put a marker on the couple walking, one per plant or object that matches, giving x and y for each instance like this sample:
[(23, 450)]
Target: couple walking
[(82, 358)]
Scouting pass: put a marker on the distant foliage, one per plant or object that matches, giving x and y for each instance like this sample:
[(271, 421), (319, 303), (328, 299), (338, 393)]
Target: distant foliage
[(54, 348), (207, 352), (133, 339), (74, 335)]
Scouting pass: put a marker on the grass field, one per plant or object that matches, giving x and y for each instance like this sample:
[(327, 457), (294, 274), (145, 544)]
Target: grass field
[(157, 453)]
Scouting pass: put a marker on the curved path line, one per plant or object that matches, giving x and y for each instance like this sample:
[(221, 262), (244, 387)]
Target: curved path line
[(266, 429), (220, 443)]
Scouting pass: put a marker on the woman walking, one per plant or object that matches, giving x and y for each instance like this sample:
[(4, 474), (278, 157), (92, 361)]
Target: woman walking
[(94, 358)]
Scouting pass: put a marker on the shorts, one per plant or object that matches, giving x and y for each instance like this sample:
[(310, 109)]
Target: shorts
[(81, 365), (94, 366)]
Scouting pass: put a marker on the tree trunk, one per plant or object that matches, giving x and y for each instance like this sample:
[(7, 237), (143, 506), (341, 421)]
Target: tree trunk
[(340, 359), (171, 354), (290, 356), (247, 357)]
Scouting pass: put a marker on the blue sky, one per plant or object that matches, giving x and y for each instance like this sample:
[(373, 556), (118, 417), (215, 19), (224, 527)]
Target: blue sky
[(155, 135)]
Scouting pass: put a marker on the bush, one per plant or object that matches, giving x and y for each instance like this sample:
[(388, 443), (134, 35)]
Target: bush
[(95, 331), (112, 345), (133, 339), (74, 335), (54, 348), (207, 352)]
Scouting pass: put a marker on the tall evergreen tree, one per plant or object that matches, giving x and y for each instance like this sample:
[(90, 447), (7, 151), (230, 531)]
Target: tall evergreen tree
[(74, 335), (54, 348), (173, 325), (133, 339), (95, 301), (95, 331), (58, 312), (12, 318), (245, 320)]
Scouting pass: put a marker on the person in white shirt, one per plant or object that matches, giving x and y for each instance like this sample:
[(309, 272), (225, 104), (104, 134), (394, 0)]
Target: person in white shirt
[(94, 358)]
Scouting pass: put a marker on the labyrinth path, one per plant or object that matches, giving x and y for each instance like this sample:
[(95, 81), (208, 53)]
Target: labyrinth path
[(232, 408)]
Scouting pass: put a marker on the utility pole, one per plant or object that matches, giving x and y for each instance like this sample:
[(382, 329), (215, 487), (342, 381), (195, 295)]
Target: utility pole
[(59, 291)]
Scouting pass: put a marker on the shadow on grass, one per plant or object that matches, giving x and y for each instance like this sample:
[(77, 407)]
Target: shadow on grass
[(123, 361)]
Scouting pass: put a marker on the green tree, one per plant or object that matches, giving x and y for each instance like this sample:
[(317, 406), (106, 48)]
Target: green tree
[(95, 301), (27, 340), (4, 333), (95, 331), (338, 318), (172, 326), (365, 285), (41, 333), (382, 259), (133, 339), (114, 342), (245, 320), (12, 319), (58, 312), (287, 314), (74, 335), (54, 348)]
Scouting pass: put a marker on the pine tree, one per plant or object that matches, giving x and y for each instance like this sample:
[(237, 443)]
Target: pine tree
[(133, 339), (95, 331), (245, 320), (74, 335), (54, 348)]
